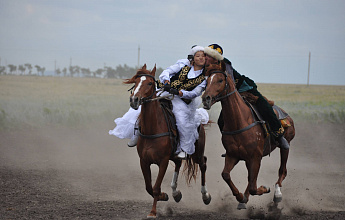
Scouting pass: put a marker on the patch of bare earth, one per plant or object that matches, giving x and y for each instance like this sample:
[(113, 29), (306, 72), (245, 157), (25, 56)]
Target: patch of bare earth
[(87, 174)]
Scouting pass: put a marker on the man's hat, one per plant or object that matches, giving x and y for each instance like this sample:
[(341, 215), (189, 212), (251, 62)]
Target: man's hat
[(215, 51)]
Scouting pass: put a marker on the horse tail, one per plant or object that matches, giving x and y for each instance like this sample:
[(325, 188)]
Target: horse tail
[(190, 170)]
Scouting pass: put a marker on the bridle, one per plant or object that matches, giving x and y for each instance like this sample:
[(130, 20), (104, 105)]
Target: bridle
[(218, 98), (227, 87), (149, 98)]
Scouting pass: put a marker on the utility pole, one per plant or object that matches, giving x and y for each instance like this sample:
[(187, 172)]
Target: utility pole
[(138, 57), (54, 66), (308, 69)]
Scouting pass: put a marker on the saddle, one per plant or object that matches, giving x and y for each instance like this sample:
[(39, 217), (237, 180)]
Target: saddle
[(251, 99), (167, 107)]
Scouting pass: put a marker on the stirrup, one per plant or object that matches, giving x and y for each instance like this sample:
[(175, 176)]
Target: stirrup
[(182, 155), (133, 142)]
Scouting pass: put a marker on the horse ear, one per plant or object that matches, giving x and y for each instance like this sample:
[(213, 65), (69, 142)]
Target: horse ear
[(144, 67), (223, 66), (153, 71)]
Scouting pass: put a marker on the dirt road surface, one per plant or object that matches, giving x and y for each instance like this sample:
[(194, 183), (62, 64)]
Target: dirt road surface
[(86, 174)]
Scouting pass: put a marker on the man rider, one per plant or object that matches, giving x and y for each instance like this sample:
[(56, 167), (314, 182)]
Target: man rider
[(214, 55)]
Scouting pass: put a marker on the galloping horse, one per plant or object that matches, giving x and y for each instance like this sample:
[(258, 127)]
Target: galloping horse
[(243, 137), (154, 143)]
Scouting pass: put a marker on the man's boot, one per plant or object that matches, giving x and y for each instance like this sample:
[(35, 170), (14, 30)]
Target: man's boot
[(283, 143)]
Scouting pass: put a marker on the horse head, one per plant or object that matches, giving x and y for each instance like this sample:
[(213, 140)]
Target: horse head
[(216, 84), (144, 86)]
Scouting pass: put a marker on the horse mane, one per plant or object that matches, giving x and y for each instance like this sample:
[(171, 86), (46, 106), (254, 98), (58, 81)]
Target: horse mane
[(141, 71), (215, 67)]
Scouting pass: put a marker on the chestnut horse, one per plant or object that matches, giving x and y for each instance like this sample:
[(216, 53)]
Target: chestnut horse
[(243, 137), (154, 143)]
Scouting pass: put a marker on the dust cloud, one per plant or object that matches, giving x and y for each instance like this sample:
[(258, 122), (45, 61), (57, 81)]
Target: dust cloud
[(101, 167)]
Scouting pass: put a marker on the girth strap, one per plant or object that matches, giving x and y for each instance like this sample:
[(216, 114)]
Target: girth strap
[(153, 136), (243, 129), (169, 133)]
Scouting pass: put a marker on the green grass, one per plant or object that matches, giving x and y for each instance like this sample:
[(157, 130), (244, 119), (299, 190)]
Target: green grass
[(32, 101), (310, 103)]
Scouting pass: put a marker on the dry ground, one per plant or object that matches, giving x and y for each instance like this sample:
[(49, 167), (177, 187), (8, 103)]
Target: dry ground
[(86, 174)]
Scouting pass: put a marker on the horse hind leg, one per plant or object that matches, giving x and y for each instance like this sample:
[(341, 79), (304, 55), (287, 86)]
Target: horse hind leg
[(206, 197), (282, 173), (177, 195)]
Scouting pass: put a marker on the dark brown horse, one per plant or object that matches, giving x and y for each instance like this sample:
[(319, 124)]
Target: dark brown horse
[(242, 137), (154, 143)]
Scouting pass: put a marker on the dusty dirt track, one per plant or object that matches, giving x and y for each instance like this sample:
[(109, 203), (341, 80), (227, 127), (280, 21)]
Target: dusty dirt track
[(87, 174)]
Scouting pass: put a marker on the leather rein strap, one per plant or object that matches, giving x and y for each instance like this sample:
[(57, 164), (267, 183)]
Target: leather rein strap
[(148, 99), (228, 94)]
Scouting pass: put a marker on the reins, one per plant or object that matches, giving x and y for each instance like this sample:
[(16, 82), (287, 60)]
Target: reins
[(150, 99), (218, 98), (228, 94)]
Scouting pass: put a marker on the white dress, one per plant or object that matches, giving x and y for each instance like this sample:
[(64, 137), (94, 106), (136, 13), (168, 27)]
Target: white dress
[(188, 117)]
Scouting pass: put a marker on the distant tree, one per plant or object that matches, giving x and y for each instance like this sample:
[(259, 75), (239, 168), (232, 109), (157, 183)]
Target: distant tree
[(2, 70), (73, 70), (77, 70), (159, 71), (85, 71), (43, 69), (110, 72), (38, 68), (64, 70), (58, 71), (98, 72), (22, 69), (12, 68), (29, 67)]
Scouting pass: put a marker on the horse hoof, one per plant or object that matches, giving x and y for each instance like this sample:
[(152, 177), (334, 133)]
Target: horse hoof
[(241, 206), (277, 199), (163, 197), (206, 198), (267, 189), (151, 215), (278, 196), (177, 196)]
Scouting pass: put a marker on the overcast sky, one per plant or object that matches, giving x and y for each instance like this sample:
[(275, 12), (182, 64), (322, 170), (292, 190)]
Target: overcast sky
[(269, 41)]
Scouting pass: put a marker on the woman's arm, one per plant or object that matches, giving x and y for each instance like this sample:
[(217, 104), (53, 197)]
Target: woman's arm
[(172, 70)]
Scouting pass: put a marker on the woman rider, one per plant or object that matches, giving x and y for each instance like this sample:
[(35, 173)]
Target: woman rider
[(186, 81)]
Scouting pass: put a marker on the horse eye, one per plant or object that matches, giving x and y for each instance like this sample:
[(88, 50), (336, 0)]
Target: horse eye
[(220, 81), (150, 83)]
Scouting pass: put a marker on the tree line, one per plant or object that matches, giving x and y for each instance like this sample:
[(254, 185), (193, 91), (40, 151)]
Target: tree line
[(120, 72)]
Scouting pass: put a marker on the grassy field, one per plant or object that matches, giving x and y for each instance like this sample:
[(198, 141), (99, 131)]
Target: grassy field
[(33, 101)]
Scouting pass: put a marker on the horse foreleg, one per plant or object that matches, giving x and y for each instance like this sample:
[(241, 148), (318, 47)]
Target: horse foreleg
[(177, 195), (253, 168), (145, 169), (206, 197), (157, 194), (282, 173), (230, 162)]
